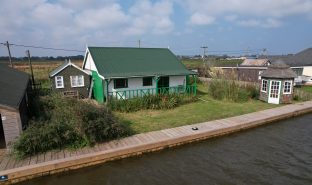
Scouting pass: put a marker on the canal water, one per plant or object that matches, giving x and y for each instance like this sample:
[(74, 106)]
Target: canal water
[(279, 154)]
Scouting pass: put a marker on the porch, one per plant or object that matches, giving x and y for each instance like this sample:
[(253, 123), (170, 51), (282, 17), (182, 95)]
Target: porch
[(127, 94)]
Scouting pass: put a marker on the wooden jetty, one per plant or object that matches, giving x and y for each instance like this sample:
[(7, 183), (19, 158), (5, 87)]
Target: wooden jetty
[(64, 160)]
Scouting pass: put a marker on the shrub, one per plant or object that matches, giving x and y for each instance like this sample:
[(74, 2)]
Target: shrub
[(301, 95), (160, 101), (227, 88), (70, 124)]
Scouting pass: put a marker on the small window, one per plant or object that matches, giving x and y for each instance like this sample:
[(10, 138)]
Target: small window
[(147, 81), (77, 81), (264, 86), (120, 83), (287, 87), (59, 83)]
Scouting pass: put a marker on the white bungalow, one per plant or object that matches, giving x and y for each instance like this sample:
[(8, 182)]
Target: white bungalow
[(122, 73)]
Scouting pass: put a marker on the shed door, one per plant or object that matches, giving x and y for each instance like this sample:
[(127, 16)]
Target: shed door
[(2, 139), (274, 94)]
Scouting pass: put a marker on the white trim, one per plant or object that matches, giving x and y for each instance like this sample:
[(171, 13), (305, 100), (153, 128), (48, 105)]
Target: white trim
[(69, 64), (71, 81), (61, 86), (290, 88), (266, 85), (88, 54)]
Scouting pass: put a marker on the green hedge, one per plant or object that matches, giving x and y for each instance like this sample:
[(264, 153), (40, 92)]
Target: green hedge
[(161, 101), (67, 123)]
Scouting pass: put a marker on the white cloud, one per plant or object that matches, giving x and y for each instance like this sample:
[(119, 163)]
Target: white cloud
[(148, 17), (268, 12), (201, 19), (61, 23)]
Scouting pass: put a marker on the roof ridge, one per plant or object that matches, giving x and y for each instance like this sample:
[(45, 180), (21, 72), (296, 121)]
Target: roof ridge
[(112, 47)]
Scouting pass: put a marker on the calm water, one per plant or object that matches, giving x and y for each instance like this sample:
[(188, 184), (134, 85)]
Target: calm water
[(279, 153)]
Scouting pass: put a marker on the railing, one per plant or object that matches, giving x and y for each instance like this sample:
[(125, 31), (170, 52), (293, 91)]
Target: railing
[(126, 94)]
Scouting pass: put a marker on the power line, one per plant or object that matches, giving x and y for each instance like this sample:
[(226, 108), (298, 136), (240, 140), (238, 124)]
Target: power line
[(41, 47)]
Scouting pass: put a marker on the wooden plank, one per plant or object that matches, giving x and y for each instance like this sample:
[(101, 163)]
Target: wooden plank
[(26, 161), (33, 160), (60, 154), (48, 156), (40, 158), (4, 162), (10, 164), (67, 153)]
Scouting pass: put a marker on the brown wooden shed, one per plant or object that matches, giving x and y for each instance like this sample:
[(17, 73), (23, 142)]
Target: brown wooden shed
[(277, 84), (13, 104)]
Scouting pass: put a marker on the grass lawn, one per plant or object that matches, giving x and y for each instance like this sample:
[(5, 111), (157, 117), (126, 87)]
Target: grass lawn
[(196, 112), (307, 89)]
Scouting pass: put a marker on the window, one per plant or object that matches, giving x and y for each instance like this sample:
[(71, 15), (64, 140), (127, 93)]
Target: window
[(77, 81), (259, 75), (287, 87), (147, 81), (120, 83), (264, 86), (59, 83)]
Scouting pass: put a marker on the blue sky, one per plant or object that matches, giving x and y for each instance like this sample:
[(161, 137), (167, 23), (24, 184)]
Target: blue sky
[(225, 26)]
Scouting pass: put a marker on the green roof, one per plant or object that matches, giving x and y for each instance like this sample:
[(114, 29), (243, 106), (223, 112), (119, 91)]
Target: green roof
[(115, 62)]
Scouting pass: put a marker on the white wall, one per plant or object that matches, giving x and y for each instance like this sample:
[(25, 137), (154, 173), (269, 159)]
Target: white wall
[(90, 63), (307, 70), (177, 80), (137, 83)]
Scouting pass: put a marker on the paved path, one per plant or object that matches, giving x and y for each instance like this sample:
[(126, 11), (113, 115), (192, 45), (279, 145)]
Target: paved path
[(57, 161)]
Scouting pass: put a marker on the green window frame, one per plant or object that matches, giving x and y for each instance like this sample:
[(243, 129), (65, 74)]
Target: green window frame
[(120, 83), (148, 81)]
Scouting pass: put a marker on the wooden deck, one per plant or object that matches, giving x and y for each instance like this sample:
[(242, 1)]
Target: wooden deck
[(58, 161)]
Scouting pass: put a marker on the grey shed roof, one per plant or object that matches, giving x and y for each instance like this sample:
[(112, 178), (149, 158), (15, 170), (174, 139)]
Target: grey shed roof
[(13, 85), (63, 66), (279, 70)]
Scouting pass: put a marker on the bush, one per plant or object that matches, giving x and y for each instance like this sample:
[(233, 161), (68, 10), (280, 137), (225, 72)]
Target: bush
[(68, 123), (160, 101), (301, 95), (230, 89)]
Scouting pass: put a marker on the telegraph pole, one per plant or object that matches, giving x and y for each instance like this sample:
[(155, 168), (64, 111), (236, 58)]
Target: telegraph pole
[(139, 42), (31, 70), (10, 58), (264, 53), (204, 59), (204, 56)]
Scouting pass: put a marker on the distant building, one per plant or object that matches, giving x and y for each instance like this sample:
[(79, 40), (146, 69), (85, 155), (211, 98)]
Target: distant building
[(15, 86), (256, 62)]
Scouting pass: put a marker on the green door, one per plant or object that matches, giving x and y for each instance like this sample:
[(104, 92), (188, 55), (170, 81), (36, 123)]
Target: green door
[(163, 84), (98, 90)]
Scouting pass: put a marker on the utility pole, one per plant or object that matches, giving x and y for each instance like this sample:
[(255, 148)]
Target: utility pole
[(139, 42), (10, 58), (31, 70), (264, 53), (204, 59), (204, 56)]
